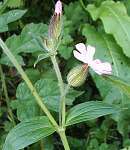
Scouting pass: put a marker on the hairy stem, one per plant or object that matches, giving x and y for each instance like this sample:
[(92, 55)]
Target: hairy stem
[(62, 91), (64, 139), (28, 82), (35, 94), (11, 116)]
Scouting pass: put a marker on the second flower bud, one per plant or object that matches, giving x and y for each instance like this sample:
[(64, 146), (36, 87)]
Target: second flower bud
[(77, 76)]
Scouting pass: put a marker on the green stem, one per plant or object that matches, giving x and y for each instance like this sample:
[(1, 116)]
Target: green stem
[(62, 91), (83, 6), (41, 145), (64, 139), (6, 96), (28, 82)]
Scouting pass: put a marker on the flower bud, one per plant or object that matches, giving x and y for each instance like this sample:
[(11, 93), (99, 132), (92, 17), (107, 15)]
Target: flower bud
[(77, 76), (55, 25), (58, 8)]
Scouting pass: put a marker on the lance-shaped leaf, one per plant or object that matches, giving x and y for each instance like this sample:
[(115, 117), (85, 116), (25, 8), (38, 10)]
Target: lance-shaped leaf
[(88, 111), (115, 20), (28, 132)]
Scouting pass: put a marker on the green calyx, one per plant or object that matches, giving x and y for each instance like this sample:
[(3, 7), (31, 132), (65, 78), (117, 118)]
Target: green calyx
[(77, 76)]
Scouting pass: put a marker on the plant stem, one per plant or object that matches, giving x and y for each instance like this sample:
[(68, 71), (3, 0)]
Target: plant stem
[(64, 139), (6, 96), (83, 6), (29, 84), (35, 94), (62, 91), (41, 145)]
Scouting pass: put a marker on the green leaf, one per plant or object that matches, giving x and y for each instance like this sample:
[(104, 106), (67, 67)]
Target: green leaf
[(15, 3), (88, 111), (115, 20), (108, 50), (123, 122), (48, 89), (24, 102), (28, 132), (24, 42), (33, 74), (65, 48), (23, 109), (124, 86), (9, 17), (76, 17)]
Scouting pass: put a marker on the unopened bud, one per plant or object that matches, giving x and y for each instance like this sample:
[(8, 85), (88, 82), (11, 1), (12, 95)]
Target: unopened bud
[(55, 25), (58, 8), (77, 76)]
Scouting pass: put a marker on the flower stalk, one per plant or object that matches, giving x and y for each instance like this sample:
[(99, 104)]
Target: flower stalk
[(62, 90), (64, 139)]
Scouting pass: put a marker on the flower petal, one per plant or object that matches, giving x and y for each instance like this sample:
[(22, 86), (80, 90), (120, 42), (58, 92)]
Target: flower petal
[(79, 56), (90, 53), (101, 68), (81, 48)]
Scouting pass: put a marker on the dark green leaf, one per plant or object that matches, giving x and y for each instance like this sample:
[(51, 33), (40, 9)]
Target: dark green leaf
[(49, 90), (65, 48), (15, 3), (108, 50), (28, 132), (115, 20), (25, 42), (9, 17), (88, 111), (124, 86)]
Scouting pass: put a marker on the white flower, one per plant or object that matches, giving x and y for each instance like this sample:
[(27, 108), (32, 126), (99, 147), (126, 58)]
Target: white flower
[(86, 54)]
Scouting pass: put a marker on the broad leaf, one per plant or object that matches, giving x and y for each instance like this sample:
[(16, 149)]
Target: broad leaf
[(28, 132), (23, 109), (48, 90), (9, 17), (124, 86), (25, 42), (108, 50), (123, 122), (76, 17), (115, 20), (88, 111), (14, 3)]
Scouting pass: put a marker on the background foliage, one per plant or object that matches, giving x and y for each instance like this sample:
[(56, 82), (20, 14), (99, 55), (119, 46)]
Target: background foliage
[(103, 24)]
